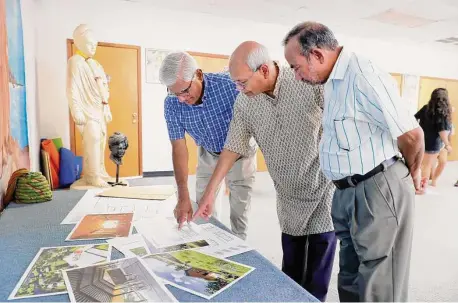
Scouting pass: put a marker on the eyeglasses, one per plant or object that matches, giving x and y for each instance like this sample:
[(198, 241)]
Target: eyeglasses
[(182, 93), (243, 84)]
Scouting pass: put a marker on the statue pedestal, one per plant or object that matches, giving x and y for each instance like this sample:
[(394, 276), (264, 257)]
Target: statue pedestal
[(117, 182), (81, 184)]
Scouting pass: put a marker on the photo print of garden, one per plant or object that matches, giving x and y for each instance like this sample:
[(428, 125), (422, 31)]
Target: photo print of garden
[(198, 273), (44, 275)]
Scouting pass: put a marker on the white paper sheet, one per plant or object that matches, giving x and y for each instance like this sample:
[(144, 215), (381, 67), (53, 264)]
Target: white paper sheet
[(195, 245), (80, 209), (130, 246), (163, 232), (142, 209), (222, 244)]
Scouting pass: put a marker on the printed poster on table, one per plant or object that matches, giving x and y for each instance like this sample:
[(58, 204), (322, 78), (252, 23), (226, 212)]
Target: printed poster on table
[(43, 277), (102, 226), (123, 280), (131, 246), (200, 274)]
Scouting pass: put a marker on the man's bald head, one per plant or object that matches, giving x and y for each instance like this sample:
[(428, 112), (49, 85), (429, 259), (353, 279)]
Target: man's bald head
[(249, 55), (252, 69)]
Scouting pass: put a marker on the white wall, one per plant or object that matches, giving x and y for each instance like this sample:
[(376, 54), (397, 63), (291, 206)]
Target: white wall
[(28, 8), (150, 27)]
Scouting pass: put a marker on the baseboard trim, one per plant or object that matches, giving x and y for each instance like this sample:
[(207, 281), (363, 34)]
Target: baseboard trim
[(152, 174)]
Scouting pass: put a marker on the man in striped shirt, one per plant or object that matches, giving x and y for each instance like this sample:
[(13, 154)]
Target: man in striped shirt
[(366, 127), (201, 104)]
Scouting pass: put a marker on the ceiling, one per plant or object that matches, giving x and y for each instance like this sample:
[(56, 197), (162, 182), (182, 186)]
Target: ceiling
[(415, 21)]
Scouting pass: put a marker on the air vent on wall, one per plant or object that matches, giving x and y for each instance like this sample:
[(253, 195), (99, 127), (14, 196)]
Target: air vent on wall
[(449, 40), (396, 18)]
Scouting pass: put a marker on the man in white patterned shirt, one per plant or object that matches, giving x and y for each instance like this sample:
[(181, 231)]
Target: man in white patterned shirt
[(274, 109), (365, 127)]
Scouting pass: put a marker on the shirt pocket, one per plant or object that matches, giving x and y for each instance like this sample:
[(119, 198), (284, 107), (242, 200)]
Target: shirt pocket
[(351, 133)]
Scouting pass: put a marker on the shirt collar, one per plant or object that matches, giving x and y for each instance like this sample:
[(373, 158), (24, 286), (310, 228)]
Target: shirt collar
[(279, 79), (277, 86), (205, 94), (341, 65), (206, 88)]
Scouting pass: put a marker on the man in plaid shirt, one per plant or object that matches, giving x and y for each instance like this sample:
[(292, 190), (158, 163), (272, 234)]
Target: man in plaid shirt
[(201, 105)]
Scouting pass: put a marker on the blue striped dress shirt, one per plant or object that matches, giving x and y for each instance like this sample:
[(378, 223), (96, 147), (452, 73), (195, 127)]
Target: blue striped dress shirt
[(363, 117), (207, 123)]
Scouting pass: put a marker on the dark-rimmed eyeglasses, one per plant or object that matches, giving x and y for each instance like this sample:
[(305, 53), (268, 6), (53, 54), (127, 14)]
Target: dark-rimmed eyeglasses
[(183, 92), (243, 84)]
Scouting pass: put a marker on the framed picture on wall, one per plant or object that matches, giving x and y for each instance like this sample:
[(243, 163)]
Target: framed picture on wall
[(154, 58)]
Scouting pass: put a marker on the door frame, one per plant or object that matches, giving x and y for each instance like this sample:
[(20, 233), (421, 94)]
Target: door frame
[(70, 43), (209, 55)]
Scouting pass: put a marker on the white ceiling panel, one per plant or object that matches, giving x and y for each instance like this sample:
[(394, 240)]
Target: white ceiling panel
[(428, 10), (348, 17)]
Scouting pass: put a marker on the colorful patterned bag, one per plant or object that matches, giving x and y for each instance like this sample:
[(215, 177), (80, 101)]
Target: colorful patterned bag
[(28, 187)]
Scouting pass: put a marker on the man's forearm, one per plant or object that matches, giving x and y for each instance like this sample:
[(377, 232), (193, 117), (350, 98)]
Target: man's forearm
[(412, 147), (180, 167), (224, 165)]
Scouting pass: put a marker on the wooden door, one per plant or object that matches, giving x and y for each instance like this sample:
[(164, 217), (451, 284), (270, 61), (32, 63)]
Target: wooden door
[(122, 64), (211, 63), (452, 88)]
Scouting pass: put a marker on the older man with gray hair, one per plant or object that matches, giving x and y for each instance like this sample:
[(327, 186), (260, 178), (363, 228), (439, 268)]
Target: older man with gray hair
[(201, 104), (371, 149), (274, 109)]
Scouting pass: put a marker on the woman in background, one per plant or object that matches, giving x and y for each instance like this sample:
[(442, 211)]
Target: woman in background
[(435, 120), (439, 166)]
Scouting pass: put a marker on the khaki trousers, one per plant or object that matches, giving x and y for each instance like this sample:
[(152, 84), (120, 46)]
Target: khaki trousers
[(374, 223), (240, 180)]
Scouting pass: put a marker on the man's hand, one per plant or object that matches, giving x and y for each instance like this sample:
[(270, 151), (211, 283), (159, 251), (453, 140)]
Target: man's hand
[(205, 209), (412, 146), (183, 211), (448, 148), (419, 182)]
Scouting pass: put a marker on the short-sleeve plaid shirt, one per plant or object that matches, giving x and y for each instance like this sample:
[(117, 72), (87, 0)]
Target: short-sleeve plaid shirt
[(207, 123)]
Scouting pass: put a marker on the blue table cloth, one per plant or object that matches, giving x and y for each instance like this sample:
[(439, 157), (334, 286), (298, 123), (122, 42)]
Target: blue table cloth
[(25, 228)]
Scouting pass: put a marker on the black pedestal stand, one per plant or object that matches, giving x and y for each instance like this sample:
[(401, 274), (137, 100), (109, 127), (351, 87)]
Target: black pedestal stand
[(117, 178)]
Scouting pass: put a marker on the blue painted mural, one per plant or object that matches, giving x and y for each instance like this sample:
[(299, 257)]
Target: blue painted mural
[(14, 141), (16, 63)]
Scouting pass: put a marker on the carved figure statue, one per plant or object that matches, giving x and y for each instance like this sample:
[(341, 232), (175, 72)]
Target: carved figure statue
[(88, 94)]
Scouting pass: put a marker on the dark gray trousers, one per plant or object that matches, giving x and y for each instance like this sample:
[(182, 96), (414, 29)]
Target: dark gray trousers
[(374, 223)]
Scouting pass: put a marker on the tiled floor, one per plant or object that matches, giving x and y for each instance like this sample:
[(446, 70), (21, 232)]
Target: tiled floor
[(434, 264)]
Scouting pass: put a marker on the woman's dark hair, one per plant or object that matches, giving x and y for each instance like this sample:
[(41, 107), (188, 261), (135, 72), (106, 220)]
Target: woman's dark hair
[(439, 108)]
